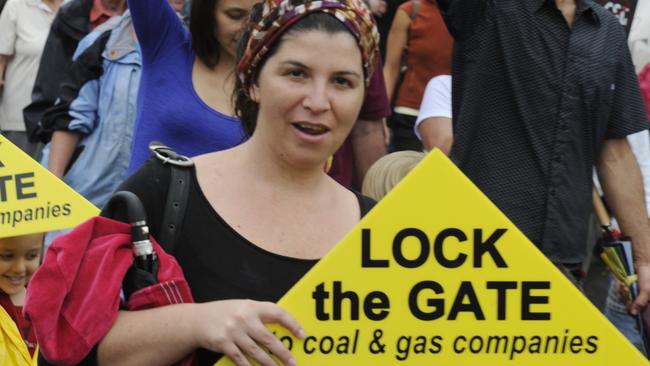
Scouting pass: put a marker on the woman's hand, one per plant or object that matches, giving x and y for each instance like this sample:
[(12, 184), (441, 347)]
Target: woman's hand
[(236, 328)]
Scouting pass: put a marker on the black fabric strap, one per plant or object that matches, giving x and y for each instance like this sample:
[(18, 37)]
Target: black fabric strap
[(174, 208), (177, 194)]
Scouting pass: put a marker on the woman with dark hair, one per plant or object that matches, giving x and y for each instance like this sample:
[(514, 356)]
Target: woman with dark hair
[(260, 215), (187, 76)]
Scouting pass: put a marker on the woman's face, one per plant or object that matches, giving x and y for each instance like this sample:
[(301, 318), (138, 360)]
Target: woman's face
[(231, 16), (309, 93)]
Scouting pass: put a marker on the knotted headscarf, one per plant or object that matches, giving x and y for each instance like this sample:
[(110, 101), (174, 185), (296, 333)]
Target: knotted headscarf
[(279, 15)]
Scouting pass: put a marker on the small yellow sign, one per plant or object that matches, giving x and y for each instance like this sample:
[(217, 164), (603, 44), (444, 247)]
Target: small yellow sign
[(435, 274), (32, 199)]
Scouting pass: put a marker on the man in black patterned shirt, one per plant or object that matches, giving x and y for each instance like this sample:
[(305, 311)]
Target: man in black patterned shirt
[(543, 90)]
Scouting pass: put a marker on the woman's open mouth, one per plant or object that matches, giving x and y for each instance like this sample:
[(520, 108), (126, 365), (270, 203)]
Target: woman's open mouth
[(311, 128)]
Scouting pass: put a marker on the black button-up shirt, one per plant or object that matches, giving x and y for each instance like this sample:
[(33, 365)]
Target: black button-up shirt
[(533, 101)]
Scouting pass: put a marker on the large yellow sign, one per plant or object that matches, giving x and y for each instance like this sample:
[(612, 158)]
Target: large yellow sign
[(33, 200), (435, 274)]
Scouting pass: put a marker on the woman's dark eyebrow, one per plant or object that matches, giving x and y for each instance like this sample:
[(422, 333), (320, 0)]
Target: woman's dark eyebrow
[(303, 66), (294, 63), (348, 73)]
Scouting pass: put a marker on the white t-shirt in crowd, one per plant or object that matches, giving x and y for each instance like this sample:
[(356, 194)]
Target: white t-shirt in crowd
[(24, 26), (436, 101)]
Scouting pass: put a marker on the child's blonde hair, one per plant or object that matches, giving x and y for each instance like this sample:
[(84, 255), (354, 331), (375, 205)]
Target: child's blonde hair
[(386, 172)]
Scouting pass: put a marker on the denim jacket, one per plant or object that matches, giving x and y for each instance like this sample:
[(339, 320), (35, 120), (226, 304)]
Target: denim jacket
[(98, 99)]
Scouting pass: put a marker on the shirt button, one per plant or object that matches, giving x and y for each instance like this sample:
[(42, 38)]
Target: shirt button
[(552, 192)]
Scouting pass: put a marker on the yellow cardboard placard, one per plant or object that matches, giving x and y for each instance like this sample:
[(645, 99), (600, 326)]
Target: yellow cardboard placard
[(435, 274), (32, 199)]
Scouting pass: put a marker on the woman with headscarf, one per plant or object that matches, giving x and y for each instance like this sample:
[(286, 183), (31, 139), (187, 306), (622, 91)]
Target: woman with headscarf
[(260, 215), (187, 83)]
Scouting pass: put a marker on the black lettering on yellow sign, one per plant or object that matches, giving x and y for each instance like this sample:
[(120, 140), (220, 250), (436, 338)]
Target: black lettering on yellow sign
[(38, 213), (518, 344), (466, 300), (341, 344), (417, 345), (376, 304), (444, 238), (449, 250), (22, 183)]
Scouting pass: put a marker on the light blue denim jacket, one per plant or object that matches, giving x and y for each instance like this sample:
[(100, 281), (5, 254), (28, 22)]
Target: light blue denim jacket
[(104, 113)]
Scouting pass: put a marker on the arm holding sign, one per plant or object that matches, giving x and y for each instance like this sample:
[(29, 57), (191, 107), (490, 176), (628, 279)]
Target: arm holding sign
[(165, 335), (623, 187)]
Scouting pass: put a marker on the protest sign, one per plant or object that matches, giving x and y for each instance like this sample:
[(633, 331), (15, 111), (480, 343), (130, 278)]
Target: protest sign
[(32, 199), (435, 274)]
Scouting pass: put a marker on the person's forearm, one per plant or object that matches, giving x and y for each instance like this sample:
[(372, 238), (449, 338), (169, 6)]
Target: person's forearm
[(3, 66), (391, 73), (443, 143), (437, 132), (61, 150), (395, 44), (622, 185), (367, 146), (160, 336)]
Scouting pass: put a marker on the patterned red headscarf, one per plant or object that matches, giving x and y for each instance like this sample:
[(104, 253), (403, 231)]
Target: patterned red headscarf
[(279, 15)]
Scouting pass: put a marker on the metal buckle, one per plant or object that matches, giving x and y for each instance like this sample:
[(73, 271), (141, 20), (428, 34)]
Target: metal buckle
[(167, 155)]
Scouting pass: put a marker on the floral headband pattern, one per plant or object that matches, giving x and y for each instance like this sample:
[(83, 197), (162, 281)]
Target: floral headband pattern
[(279, 15)]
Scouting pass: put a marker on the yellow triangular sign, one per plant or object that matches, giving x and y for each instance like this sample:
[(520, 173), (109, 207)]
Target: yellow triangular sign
[(32, 199), (435, 274)]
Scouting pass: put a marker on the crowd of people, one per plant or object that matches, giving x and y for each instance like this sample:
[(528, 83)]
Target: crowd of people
[(289, 108)]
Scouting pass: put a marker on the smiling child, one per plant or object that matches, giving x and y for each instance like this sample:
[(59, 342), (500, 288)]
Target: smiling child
[(20, 256)]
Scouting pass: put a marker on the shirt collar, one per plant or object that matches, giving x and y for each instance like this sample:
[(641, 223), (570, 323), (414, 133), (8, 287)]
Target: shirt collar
[(582, 6)]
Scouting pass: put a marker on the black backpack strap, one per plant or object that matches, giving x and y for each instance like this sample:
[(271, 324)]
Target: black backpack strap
[(178, 192)]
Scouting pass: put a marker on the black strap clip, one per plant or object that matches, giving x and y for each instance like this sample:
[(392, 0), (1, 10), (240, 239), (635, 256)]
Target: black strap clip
[(165, 154)]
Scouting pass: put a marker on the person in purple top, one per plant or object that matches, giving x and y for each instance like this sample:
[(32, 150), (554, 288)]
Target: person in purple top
[(187, 76), (185, 98)]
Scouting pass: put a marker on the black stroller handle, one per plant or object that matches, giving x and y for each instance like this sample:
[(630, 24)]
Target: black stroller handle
[(126, 207)]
